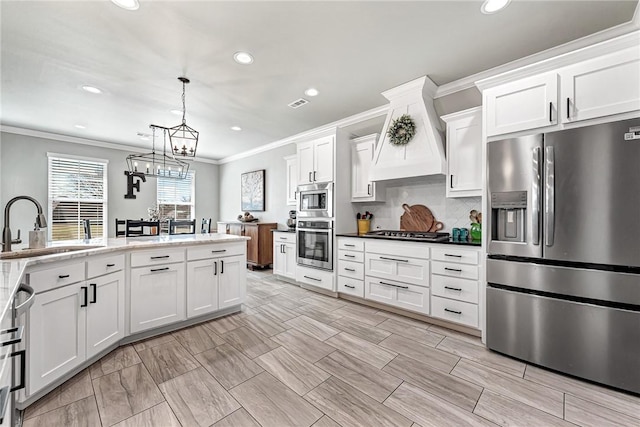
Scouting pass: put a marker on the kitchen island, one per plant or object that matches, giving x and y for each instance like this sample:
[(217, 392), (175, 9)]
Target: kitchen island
[(100, 294)]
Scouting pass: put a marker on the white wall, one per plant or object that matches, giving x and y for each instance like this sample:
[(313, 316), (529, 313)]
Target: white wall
[(24, 168)]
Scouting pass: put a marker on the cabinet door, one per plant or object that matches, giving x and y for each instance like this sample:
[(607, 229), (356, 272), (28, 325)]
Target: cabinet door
[(105, 312), (232, 281), (202, 286), (292, 180), (361, 158), (253, 231), (323, 160), (279, 258), (521, 105), (398, 294), (601, 87), (409, 270), (57, 335), (305, 163), (290, 260), (157, 296), (464, 156)]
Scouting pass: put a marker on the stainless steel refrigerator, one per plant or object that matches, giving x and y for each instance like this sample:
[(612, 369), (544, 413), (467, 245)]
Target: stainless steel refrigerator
[(563, 267)]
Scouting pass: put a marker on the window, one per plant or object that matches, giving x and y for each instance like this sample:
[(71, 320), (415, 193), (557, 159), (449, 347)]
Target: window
[(176, 197), (77, 191)]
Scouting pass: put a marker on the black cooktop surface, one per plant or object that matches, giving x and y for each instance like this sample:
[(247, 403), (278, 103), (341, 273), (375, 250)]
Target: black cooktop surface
[(409, 235)]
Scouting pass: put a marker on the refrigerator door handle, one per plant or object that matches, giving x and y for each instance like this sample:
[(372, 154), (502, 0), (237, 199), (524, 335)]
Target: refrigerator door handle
[(549, 198), (535, 197)]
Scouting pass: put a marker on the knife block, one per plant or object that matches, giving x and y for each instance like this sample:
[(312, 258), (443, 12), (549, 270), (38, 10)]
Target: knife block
[(364, 225)]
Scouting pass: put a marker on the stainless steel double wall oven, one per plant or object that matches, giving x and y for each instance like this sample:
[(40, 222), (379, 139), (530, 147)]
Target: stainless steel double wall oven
[(315, 226)]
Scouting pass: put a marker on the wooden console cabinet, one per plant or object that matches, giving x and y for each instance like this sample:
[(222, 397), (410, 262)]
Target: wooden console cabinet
[(260, 247)]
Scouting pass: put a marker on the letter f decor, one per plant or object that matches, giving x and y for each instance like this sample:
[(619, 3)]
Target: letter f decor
[(131, 185)]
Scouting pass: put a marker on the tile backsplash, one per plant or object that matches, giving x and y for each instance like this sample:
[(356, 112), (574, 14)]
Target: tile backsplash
[(428, 191)]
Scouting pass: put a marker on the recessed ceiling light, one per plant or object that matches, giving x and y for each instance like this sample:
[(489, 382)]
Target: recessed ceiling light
[(92, 89), (177, 112), (493, 6), (79, 127), (236, 128), (311, 92), (243, 58), (127, 4)]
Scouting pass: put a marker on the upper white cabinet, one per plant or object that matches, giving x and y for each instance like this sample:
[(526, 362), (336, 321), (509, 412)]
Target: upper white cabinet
[(315, 160), (521, 105), (292, 179), (464, 153), (601, 87), (362, 188)]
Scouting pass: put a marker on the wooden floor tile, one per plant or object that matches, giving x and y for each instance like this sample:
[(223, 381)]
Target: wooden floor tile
[(124, 393), (82, 413), (452, 389), (589, 414), (317, 313), (278, 311), (198, 338), (77, 388), (303, 345), (159, 415), (263, 324), (422, 353), (198, 399), (483, 356), (371, 319), (228, 366), (404, 319), (530, 393), (360, 330), (167, 361), (240, 418), (225, 324), (362, 349), (508, 412), (369, 380), (457, 335), (325, 303), (293, 371), (350, 407), (313, 328), (152, 342), (419, 335), (251, 343), (120, 358), (326, 422), (273, 404), (429, 410)]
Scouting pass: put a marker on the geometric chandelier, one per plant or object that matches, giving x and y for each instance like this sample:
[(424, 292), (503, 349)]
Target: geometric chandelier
[(158, 164), (183, 139)]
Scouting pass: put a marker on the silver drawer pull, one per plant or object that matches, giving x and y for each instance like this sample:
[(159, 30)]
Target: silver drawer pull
[(394, 259), (395, 286), (452, 311), (453, 289), (312, 278), (453, 269), (453, 255), (159, 257), (349, 286), (350, 269), (349, 256)]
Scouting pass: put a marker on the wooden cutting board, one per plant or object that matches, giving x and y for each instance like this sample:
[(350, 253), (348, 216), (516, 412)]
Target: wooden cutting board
[(416, 218)]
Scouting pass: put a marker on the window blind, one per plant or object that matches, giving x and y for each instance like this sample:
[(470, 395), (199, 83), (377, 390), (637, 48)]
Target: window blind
[(77, 191), (176, 197)]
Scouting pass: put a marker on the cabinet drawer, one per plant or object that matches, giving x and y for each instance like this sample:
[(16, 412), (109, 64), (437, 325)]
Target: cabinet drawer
[(464, 271), (284, 237), (44, 279), (102, 265), (351, 244), (455, 311), (158, 256), (454, 288), (311, 276), (351, 286), (214, 251), (354, 270), (351, 256), (398, 294), (398, 249), (409, 270), (455, 255)]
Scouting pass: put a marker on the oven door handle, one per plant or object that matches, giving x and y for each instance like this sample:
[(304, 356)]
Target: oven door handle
[(317, 230)]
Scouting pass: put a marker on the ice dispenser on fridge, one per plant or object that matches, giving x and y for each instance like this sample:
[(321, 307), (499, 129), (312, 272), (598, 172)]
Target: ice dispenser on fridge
[(509, 212)]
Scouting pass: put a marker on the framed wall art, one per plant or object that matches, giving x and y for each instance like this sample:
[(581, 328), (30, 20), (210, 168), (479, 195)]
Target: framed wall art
[(252, 190)]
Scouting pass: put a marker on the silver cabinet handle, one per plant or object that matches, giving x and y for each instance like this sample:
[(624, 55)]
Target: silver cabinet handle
[(394, 259), (452, 311), (395, 286), (535, 197), (549, 196), (310, 177), (453, 289), (312, 278)]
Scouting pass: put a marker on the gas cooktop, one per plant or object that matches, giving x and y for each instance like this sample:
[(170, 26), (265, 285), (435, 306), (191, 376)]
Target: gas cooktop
[(422, 236)]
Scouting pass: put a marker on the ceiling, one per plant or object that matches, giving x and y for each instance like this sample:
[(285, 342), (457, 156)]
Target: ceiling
[(349, 51)]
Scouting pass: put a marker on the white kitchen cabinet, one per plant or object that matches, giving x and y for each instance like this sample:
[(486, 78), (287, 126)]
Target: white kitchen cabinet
[(157, 296), (524, 104), (315, 160), (105, 312), (284, 254), (601, 87), (362, 188), (231, 280), (57, 334), (455, 311), (202, 287), (292, 179), (398, 294), (464, 153), (405, 269), (315, 277)]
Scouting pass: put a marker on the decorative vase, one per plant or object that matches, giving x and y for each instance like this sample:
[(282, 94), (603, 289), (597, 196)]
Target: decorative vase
[(476, 231)]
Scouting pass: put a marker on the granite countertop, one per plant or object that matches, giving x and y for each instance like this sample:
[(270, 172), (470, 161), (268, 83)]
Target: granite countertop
[(473, 243), (13, 269)]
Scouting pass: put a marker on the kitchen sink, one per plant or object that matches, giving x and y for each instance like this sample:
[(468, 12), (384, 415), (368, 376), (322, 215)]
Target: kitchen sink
[(27, 253)]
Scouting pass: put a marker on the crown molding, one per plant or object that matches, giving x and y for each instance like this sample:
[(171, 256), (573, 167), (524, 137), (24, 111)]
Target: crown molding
[(315, 132), (460, 114)]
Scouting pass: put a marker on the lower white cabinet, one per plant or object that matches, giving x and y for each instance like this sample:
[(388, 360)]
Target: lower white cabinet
[(314, 277), (231, 281), (284, 254), (399, 294), (105, 312), (157, 296), (405, 269), (202, 287), (455, 311)]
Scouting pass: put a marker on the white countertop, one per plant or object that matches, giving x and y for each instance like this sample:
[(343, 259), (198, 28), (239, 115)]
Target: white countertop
[(13, 269)]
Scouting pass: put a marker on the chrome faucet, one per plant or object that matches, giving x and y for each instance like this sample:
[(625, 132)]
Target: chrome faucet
[(41, 221)]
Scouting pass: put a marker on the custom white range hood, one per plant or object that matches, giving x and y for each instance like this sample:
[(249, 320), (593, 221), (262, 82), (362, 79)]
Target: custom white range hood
[(424, 154)]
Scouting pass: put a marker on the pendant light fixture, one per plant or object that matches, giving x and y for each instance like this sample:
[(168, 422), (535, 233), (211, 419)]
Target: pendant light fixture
[(158, 164), (183, 139)]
